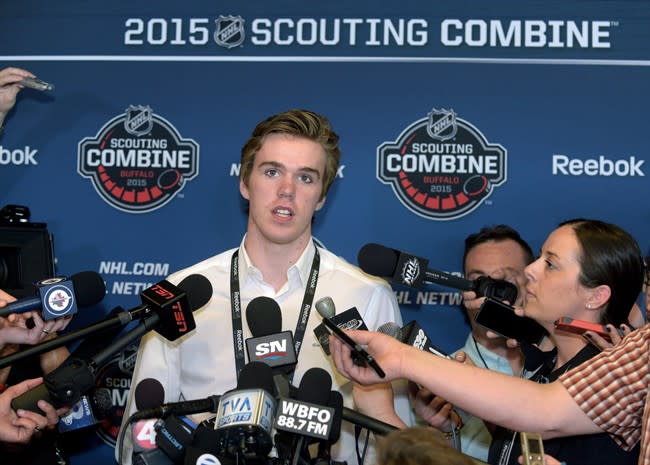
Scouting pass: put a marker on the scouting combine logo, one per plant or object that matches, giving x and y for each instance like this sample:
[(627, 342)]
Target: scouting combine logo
[(441, 167), (138, 161)]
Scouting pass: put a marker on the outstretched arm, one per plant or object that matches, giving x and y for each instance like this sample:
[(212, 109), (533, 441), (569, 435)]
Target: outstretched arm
[(515, 403)]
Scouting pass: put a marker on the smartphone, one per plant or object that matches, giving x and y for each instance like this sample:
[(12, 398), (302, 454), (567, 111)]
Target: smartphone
[(502, 320), (359, 356), (532, 448), (572, 325)]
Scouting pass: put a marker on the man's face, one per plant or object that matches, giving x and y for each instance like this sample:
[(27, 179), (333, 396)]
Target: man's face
[(498, 260), (284, 189)]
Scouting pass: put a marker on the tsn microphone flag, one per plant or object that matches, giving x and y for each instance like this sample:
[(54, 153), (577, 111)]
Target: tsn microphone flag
[(179, 320)]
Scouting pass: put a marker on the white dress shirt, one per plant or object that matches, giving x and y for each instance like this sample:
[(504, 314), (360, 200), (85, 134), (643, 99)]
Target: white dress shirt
[(202, 363)]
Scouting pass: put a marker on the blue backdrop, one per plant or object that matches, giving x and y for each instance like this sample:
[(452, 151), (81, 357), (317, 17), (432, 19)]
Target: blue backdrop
[(560, 88)]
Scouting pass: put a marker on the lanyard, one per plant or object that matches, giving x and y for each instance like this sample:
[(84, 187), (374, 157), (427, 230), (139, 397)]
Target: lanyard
[(235, 305)]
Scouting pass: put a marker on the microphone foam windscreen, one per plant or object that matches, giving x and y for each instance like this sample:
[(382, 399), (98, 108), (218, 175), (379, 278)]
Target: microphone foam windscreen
[(378, 260), (256, 375), (149, 393), (103, 400), (89, 288), (391, 329), (263, 316), (325, 307), (315, 386), (198, 290)]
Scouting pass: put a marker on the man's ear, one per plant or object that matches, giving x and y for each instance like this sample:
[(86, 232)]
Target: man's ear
[(320, 204), (243, 189)]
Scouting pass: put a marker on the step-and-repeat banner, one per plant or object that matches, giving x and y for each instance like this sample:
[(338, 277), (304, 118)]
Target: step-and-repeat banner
[(452, 116)]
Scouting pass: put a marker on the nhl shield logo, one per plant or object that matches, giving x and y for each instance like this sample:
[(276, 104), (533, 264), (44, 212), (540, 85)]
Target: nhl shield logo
[(229, 31), (442, 124), (138, 120)]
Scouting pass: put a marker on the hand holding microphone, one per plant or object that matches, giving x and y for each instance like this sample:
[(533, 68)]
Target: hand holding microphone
[(19, 427), (31, 320), (170, 314)]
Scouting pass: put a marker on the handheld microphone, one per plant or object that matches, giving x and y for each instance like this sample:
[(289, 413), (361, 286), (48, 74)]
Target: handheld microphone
[(269, 343), (245, 417), (359, 355), (60, 296), (89, 411), (349, 319), (411, 271), (173, 307), (412, 334), (169, 433), (149, 394), (307, 415)]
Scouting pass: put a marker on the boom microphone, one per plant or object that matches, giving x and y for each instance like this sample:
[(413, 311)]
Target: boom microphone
[(60, 296), (411, 271), (171, 317)]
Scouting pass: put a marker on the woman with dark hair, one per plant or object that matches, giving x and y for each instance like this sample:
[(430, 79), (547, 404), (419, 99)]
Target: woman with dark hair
[(588, 270)]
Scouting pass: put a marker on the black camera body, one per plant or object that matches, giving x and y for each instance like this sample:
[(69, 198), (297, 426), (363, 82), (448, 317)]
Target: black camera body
[(26, 252), (496, 288)]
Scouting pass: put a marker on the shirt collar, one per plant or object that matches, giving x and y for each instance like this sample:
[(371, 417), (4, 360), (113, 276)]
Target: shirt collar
[(298, 271)]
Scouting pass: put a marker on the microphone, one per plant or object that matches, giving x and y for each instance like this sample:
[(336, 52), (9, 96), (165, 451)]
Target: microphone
[(269, 343), (168, 434), (60, 296), (173, 434), (118, 318), (186, 407), (412, 334), (349, 319), (411, 271), (202, 450), (335, 402), (171, 316), (360, 357), (109, 329), (245, 417), (89, 411), (149, 394), (309, 414)]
